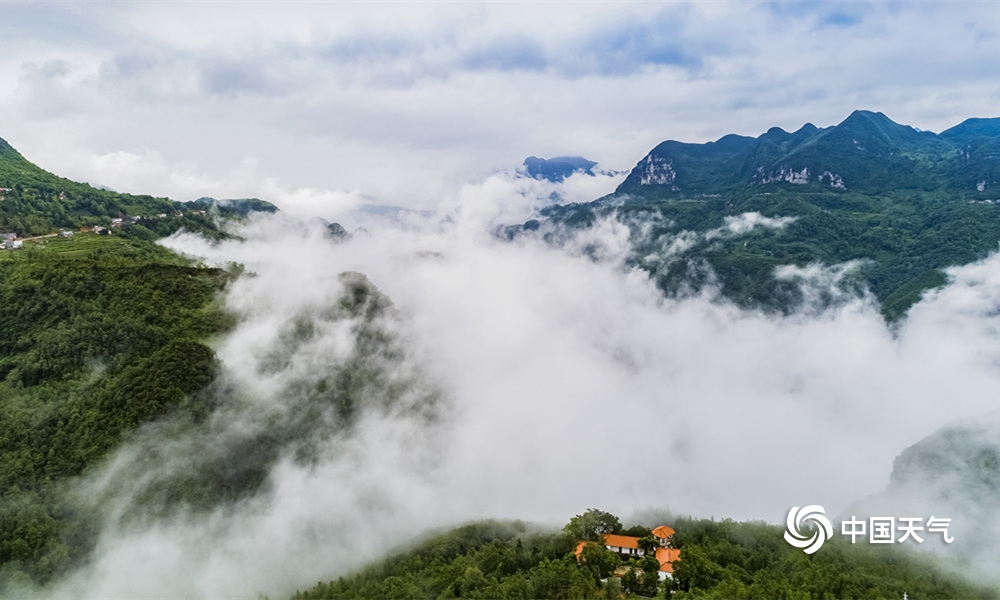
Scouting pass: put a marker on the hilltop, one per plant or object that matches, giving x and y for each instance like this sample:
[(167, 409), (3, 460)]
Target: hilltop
[(881, 206), (719, 559), (33, 201)]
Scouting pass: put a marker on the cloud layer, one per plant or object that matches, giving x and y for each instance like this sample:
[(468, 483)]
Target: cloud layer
[(566, 383), (407, 102)]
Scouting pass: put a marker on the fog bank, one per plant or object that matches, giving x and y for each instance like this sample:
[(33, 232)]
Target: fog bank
[(521, 380)]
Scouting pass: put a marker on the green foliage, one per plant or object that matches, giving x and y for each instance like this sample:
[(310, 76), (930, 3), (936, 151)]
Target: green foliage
[(908, 205), (648, 544), (901, 242), (492, 559), (36, 202), (591, 524), (99, 335), (726, 559), (718, 560), (597, 556)]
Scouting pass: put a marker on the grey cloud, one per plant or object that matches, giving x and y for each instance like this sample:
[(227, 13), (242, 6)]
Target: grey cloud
[(630, 46), (234, 77), (370, 48), (129, 65), (507, 54), (334, 101), (52, 69)]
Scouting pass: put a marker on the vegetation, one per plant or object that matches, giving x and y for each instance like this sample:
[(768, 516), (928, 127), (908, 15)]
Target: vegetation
[(36, 202), (724, 559), (904, 204), (99, 335)]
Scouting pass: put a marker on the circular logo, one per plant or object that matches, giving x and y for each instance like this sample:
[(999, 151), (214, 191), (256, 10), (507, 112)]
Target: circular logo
[(808, 541)]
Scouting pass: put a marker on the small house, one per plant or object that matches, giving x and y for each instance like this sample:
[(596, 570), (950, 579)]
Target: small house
[(627, 546)]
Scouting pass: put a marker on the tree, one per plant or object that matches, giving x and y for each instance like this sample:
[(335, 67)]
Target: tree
[(697, 570), (650, 580), (600, 558), (648, 544), (590, 525)]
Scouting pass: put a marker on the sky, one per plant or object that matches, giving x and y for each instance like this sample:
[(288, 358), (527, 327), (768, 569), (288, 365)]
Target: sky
[(312, 105)]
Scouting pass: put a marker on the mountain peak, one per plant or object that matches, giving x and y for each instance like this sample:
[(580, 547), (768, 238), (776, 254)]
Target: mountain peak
[(972, 128), (557, 168), (866, 120), (8, 151)]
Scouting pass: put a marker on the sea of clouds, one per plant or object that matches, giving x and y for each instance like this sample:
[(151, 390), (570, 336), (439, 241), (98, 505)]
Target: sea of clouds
[(562, 380)]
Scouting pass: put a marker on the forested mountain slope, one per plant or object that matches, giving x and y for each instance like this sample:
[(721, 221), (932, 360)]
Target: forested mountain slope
[(35, 202), (719, 559), (890, 205), (99, 334)]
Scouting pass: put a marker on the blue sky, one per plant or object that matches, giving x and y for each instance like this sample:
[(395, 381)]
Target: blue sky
[(405, 102)]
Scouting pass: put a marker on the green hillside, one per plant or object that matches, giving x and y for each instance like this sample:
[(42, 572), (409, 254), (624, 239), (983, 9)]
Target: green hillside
[(99, 334), (901, 203), (36, 202), (719, 559)]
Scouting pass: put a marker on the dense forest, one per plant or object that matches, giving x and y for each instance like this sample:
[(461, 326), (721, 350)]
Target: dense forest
[(889, 206), (900, 243), (719, 559), (100, 335)]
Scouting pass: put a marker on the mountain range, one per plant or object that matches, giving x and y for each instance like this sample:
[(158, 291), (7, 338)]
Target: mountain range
[(882, 207), (866, 152)]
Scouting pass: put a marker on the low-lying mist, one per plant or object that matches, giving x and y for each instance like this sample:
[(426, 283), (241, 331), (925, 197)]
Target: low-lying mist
[(509, 379)]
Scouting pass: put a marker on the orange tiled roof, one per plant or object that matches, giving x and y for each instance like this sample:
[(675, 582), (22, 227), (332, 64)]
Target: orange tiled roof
[(579, 550), (663, 531), (622, 541), (666, 556)]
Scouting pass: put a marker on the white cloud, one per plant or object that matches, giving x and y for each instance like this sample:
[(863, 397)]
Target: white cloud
[(569, 382), (744, 223), (409, 104)]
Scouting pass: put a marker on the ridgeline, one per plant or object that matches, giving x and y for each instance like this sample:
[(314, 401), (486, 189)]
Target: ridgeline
[(99, 334), (899, 205)]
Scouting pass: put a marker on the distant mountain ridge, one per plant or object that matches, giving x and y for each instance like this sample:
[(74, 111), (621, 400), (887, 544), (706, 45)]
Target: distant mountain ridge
[(558, 168), (880, 206), (867, 151)]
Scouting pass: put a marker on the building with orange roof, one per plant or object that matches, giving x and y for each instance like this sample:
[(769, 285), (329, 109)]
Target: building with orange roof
[(627, 546), (666, 558), (664, 533)]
